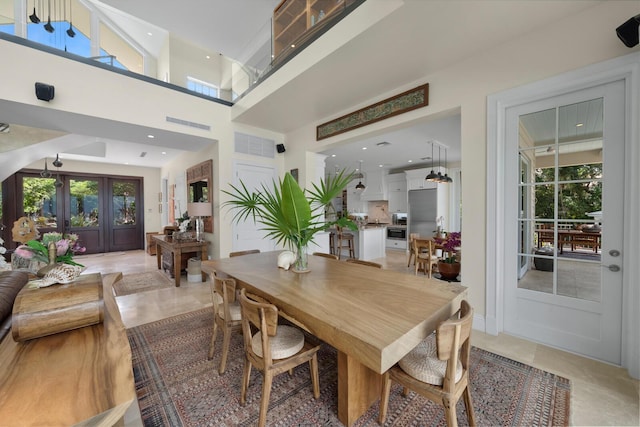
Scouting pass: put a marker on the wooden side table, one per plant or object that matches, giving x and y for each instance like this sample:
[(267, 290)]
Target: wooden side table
[(177, 247)]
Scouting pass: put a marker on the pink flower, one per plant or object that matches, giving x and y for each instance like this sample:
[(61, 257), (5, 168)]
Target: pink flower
[(62, 246), (23, 251)]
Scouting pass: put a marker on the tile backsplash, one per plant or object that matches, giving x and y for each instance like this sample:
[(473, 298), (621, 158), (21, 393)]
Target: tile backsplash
[(379, 210)]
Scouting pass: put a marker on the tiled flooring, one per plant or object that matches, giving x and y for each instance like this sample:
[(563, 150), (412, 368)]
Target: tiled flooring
[(601, 394)]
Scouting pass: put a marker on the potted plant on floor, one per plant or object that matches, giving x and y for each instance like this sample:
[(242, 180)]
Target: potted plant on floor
[(289, 214), (449, 265)]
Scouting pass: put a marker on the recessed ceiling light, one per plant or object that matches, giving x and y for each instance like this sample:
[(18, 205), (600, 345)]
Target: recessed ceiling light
[(333, 155), (293, 45), (150, 136), (208, 57), (164, 152), (149, 34), (364, 148), (380, 166), (579, 125), (410, 161)]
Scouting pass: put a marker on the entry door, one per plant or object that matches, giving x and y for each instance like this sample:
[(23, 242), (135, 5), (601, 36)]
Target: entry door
[(247, 235), (82, 209), (565, 158)]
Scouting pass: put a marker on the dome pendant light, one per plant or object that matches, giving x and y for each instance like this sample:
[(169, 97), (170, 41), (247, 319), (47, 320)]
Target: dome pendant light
[(45, 173), (439, 177), (446, 178), (432, 177), (57, 163), (360, 186)]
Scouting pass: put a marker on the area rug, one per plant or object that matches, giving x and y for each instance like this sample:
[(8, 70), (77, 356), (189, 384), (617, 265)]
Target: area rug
[(141, 282), (177, 386)]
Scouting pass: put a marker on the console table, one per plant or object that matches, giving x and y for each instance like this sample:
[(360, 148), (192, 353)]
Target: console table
[(177, 247), (77, 377)]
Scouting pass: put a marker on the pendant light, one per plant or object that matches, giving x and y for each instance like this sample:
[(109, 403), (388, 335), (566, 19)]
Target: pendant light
[(45, 172), (432, 177), (446, 179), (360, 186), (70, 31), (48, 27), (34, 17), (57, 163), (440, 177)]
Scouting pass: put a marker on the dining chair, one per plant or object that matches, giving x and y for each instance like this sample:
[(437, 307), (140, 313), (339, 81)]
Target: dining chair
[(362, 262), (322, 254), (437, 368), (226, 315), (412, 254), (425, 254), (247, 252), (273, 349)]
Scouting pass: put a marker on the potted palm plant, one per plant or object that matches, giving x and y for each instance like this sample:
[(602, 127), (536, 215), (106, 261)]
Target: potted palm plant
[(290, 215)]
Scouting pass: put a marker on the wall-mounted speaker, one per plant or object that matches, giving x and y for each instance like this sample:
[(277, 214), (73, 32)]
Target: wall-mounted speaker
[(44, 92), (280, 148), (628, 32)]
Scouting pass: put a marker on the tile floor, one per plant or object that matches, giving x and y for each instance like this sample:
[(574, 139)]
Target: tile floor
[(601, 394)]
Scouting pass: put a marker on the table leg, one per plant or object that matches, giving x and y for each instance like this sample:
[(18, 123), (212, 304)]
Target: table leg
[(358, 388), (159, 256), (177, 260), (204, 257)]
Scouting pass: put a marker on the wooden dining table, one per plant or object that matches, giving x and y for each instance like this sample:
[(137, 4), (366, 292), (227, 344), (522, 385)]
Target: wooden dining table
[(372, 317)]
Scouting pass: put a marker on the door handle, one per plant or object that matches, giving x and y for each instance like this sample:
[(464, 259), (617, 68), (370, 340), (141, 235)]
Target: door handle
[(613, 267)]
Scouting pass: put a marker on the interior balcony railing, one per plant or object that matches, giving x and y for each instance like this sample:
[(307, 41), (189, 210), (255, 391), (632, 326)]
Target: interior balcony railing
[(84, 30)]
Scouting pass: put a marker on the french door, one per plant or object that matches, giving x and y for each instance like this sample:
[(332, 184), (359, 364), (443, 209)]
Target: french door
[(105, 212), (565, 163)]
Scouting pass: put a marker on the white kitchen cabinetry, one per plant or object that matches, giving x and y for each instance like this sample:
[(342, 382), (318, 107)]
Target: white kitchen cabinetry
[(354, 198), (396, 244), (416, 178), (376, 187), (397, 188)]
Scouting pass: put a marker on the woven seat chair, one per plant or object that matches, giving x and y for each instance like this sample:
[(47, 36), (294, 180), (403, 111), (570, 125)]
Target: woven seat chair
[(437, 368), (425, 254), (361, 262), (322, 254), (274, 349), (226, 315), (412, 254)]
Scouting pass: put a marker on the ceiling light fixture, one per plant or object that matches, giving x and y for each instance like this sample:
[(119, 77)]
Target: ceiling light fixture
[(432, 177), (446, 179), (45, 172), (360, 186), (57, 163), (579, 125)]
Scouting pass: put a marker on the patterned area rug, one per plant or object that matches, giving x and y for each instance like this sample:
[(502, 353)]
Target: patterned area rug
[(177, 386), (140, 282)]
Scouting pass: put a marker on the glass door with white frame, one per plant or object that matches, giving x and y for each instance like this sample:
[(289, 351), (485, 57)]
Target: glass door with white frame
[(565, 285)]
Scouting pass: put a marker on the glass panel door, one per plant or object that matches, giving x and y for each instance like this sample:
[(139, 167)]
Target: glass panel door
[(82, 211)]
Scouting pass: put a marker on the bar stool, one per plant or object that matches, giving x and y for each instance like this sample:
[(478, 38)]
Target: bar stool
[(345, 241), (332, 243)]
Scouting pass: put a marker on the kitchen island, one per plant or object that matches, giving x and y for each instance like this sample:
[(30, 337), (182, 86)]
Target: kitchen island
[(369, 242)]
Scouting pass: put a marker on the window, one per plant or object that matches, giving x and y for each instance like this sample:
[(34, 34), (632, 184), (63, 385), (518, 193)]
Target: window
[(202, 87)]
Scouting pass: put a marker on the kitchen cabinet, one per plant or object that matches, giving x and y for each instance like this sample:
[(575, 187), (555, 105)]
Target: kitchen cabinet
[(397, 192), (416, 181), (396, 244), (376, 186)]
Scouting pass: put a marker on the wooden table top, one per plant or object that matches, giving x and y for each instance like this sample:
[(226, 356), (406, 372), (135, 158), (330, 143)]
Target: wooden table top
[(79, 376), (376, 316)]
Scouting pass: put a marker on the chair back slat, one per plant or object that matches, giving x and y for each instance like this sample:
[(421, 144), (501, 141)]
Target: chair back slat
[(247, 252), (255, 312), (454, 332)]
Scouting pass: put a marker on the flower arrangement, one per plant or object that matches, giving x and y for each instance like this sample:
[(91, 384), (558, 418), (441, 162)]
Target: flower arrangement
[(450, 244), (3, 263), (67, 246)]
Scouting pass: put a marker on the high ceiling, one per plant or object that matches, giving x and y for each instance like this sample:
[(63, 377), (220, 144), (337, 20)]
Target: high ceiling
[(414, 39)]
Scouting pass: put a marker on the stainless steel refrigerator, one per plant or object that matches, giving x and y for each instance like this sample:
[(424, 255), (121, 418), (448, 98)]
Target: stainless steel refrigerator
[(423, 212)]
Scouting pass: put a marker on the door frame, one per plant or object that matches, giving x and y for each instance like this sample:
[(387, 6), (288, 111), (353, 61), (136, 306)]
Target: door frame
[(627, 69)]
